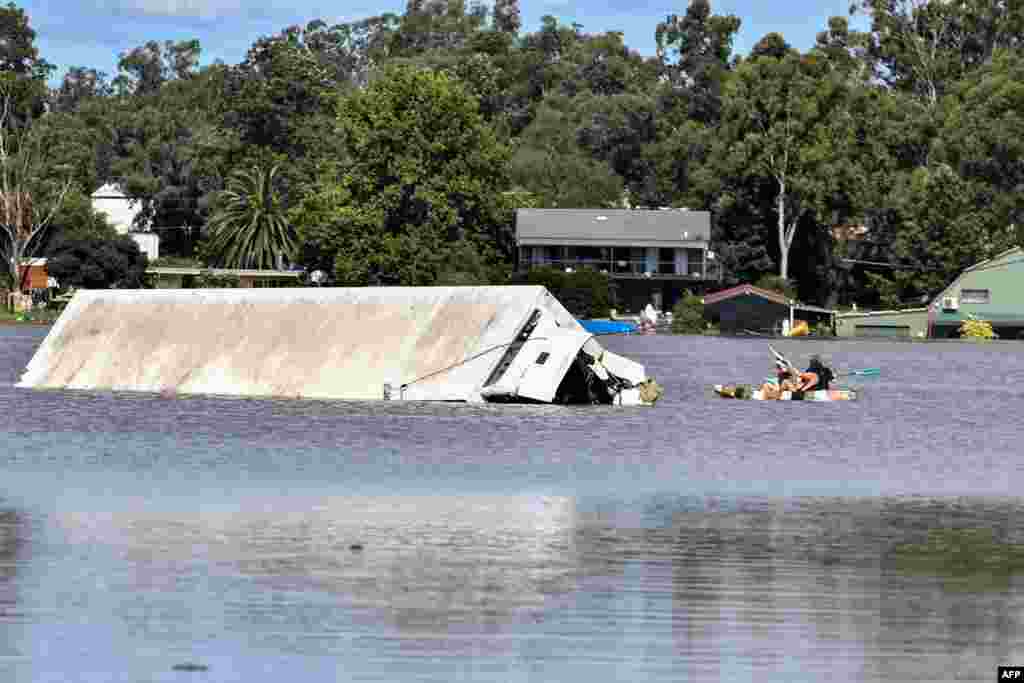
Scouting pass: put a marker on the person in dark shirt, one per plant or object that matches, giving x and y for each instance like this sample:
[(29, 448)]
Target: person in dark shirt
[(817, 377)]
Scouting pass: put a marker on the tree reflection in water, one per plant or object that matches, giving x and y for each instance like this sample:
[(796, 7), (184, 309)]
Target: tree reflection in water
[(11, 545), (833, 587), (431, 565)]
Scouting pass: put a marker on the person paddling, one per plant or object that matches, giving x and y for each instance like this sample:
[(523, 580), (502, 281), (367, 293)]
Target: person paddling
[(816, 377), (785, 380)]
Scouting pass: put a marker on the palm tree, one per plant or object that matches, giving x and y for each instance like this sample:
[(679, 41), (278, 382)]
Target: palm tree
[(249, 228)]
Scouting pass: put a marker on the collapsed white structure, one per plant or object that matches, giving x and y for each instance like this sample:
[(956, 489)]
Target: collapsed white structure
[(501, 344)]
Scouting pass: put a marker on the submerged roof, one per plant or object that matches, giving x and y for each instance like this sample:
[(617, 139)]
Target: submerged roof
[(298, 342), (613, 227)]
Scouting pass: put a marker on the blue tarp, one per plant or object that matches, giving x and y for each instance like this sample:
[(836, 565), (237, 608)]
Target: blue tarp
[(607, 327)]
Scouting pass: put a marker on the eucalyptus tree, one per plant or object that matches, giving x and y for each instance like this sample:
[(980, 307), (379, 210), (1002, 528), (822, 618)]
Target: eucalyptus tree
[(694, 59), (694, 52), (79, 85), (31, 193), (507, 18), (249, 227), (924, 46), (26, 89), (144, 69), (785, 122), (965, 204)]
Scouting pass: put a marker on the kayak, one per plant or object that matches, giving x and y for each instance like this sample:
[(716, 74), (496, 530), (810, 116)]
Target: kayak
[(746, 391)]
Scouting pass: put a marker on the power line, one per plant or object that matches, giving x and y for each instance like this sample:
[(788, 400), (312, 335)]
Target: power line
[(894, 266)]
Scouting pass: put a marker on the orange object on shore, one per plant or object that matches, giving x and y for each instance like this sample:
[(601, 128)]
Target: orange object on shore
[(800, 329)]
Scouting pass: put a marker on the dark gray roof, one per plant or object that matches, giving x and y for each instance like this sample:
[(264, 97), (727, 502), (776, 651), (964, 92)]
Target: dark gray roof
[(613, 227)]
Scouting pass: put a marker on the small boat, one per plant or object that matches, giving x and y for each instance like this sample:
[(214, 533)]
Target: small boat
[(753, 393)]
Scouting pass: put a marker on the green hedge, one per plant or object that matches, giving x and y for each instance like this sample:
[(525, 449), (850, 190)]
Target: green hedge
[(584, 292)]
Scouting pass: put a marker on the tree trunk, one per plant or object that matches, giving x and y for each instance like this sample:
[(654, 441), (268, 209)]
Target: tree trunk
[(13, 267), (784, 239)]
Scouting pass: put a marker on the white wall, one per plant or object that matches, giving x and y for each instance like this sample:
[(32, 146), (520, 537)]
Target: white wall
[(120, 210), (149, 243)]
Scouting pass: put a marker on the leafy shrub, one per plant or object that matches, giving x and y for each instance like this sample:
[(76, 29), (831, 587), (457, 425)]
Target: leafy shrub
[(823, 329), (688, 315), (467, 265), (176, 262), (583, 292), (888, 291), (973, 328), (97, 262), (776, 283)]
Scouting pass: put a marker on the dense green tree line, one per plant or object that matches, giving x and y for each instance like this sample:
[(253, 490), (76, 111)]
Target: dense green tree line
[(396, 148)]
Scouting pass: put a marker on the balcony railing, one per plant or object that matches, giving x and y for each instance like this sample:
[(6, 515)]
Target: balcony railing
[(634, 268)]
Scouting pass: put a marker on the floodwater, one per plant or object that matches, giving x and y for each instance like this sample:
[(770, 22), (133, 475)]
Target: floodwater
[(145, 538)]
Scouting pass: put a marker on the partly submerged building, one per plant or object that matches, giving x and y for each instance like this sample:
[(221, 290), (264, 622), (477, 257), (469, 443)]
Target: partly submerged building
[(908, 323), (746, 308), (651, 255), (500, 344), (992, 290)]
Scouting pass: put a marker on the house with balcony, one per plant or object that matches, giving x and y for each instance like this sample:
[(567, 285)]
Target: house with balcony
[(650, 255)]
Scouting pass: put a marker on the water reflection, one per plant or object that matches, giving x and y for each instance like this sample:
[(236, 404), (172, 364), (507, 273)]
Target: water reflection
[(430, 564), (829, 584), (11, 557), (815, 587), (10, 544), (223, 532)]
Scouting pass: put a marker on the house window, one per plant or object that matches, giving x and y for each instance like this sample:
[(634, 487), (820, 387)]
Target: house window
[(666, 261), (974, 296), (595, 257), (695, 265)]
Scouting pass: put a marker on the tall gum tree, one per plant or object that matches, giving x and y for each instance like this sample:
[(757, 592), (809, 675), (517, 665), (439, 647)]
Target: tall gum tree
[(786, 121), (29, 197)]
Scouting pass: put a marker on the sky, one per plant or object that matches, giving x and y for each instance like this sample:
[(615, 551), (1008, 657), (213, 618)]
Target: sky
[(93, 33)]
